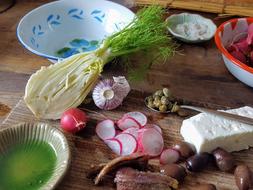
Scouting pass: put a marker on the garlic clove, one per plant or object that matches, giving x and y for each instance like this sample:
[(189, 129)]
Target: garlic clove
[(109, 94)]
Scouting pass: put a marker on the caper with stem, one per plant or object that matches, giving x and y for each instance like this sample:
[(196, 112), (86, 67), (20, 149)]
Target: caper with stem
[(167, 92), (165, 100), (159, 93), (175, 107)]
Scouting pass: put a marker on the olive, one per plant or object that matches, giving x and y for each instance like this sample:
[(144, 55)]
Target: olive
[(175, 108), (174, 170), (165, 100), (243, 177), (224, 160), (197, 162), (184, 149), (163, 108), (159, 93), (167, 92), (204, 187)]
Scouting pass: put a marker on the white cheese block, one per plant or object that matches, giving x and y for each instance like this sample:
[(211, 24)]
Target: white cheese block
[(207, 132)]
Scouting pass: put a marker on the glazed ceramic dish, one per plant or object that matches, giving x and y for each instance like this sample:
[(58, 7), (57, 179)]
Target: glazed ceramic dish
[(225, 35), (174, 20), (63, 28), (32, 156)]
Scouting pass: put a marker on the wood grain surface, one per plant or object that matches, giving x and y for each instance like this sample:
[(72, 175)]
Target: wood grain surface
[(196, 74)]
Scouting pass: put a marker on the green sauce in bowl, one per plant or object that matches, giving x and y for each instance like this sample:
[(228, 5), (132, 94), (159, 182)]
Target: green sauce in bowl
[(27, 166)]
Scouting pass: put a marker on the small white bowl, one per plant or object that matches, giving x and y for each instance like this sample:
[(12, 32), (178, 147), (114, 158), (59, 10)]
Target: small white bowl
[(225, 35), (174, 20), (70, 26)]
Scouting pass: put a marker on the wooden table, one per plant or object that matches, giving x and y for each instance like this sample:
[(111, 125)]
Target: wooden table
[(198, 76)]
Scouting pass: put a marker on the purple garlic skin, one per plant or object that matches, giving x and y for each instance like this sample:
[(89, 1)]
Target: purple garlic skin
[(108, 94)]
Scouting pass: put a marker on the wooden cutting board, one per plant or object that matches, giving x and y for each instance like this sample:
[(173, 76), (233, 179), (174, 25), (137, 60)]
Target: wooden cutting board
[(88, 149)]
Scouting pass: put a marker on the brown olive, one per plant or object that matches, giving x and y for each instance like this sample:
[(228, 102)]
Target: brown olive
[(243, 177), (184, 149), (197, 162), (165, 100), (163, 108), (224, 160), (204, 187), (167, 92), (174, 170)]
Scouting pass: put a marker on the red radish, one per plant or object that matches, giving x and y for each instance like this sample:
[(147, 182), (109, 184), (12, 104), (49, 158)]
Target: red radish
[(73, 120), (169, 156), (115, 145), (129, 143), (151, 142), (138, 116), (105, 129), (133, 131), (127, 122), (153, 126)]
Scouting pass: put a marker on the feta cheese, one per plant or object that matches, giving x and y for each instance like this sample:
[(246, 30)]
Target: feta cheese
[(207, 132)]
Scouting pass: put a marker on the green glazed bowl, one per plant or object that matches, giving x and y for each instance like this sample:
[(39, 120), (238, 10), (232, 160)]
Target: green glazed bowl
[(33, 136)]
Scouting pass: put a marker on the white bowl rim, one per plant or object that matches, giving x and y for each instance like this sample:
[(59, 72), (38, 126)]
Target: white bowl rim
[(188, 39), (36, 9)]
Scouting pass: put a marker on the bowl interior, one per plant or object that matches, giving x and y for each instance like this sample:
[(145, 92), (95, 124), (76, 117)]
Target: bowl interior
[(62, 28), (176, 19), (34, 134)]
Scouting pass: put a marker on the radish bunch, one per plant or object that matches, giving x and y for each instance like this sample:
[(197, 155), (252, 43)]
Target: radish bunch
[(131, 134)]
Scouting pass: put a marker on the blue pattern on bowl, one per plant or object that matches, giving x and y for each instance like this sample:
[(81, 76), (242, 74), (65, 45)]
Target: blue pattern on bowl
[(78, 23), (77, 46)]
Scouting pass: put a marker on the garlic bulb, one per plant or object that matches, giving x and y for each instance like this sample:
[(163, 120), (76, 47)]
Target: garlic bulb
[(109, 94)]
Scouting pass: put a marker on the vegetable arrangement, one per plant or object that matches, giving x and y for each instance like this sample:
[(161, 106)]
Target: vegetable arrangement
[(52, 90), (242, 49)]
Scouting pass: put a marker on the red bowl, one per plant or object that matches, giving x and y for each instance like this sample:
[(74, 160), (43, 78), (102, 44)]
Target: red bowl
[(224, 36)]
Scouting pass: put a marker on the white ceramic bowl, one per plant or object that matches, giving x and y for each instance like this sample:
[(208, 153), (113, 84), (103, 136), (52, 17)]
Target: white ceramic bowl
[(65, 27), (226, 33), (174, 20)]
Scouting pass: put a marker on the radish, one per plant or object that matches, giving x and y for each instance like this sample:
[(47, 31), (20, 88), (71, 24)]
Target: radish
[(127, 122), (133, 131), (105, 129), (73, 120), (156, 127), (169, 156), (150, 141), (129, 143), (138, 116), (115, 145)]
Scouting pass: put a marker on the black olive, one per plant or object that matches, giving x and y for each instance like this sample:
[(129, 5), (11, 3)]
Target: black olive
[(198, 162), (174, 170), (243, 177), (224, 160)]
